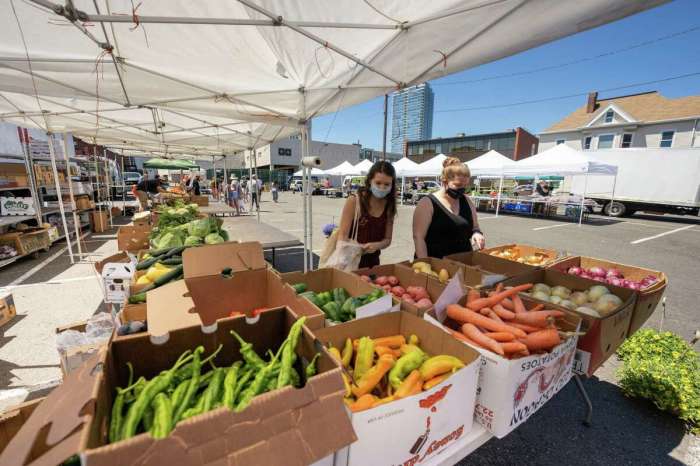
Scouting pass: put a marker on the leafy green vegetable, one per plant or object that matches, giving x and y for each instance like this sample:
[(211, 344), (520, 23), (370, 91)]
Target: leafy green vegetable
[(198, 227), (665, 369), (213, 238), (170, 239), (193, 240)]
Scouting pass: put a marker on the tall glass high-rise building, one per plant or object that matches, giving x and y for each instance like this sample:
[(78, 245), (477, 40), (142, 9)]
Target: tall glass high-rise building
[(412, 115)]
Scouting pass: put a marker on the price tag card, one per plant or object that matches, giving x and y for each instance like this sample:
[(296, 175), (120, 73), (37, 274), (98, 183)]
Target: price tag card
[(453, 292)]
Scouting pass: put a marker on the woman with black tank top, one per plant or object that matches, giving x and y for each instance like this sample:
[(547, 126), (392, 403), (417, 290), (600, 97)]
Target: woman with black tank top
[(445, 222)]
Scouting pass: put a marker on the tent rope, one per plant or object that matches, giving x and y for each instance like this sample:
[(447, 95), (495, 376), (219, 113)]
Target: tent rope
[(137, 22), (444, 58)]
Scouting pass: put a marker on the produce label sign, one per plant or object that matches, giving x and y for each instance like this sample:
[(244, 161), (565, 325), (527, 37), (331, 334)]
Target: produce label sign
[(17, 206)]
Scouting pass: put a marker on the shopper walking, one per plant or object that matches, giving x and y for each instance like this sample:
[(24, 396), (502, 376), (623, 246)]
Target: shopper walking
[(260, 189), (254, 193), (445, 221), (273, 190), (377, 202), (234, 194), (196, 190), (145, 188)]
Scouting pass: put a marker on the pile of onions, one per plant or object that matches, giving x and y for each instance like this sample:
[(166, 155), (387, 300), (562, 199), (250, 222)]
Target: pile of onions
[(612, 277)]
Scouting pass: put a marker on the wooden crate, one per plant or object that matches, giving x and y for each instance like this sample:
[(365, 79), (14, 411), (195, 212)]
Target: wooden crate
[(27, 241)]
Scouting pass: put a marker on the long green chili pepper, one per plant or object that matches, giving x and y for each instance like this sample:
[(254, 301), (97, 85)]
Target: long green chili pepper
[(211, 394), (192, 386), (116, 418), (246, 375), (137, 389), (248, 353), (156, 385), (289, 353), (294, 378), (311, 369), (230, 384), (185, 372), (147, 419), (163, 416), (204, 380), (258, 385), (179, 393)]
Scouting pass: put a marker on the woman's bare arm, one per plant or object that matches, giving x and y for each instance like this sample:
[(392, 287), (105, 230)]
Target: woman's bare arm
[(346, 218), (422, 217)]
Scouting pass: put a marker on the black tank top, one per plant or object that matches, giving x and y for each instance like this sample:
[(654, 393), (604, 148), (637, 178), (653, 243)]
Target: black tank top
[(449, 233)]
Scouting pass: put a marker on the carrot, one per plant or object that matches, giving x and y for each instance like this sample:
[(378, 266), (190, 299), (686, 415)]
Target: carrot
[(464, 315), (527, 328), (543, 340), (513, 347), (497, 297), (462, 337), (520, 354), (537, 318), (493, 315), (501, 336), (508, 304), (472, 295), (472, 332), (518, 305), (502, 312), (539, 307)]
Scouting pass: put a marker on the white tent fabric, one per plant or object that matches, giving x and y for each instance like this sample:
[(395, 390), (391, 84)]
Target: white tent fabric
[(314, 172), (559, 160), (431, 167), (342, 169), (403, 165), (225, 76), (361, 168), (488, 164)]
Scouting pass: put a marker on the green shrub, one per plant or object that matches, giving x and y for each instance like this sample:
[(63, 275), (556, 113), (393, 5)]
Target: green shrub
[(665, 369)]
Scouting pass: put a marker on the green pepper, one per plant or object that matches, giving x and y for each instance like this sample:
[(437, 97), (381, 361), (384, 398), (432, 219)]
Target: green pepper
[(365, 357), (248, 353), (211, 394), (148, 416), (346, 355), (156, 385), (406, 363), (332, 311), (294, 377), (346, 309), (230, 384), (163, 416), (289, 352), (324, 297), (259, 384), (311, 369), (247, 374), (115, 423), (311, 296), (180, 406), (299, 287), (185, 372)]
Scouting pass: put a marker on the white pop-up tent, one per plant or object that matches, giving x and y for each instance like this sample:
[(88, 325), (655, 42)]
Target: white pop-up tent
[(431, 167), (489, 164), (342, 169), (562, 160), (403, 165), (361, 168), (313, 172)]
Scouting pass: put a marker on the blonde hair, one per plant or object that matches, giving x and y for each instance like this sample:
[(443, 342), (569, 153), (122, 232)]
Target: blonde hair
[(453, 167)]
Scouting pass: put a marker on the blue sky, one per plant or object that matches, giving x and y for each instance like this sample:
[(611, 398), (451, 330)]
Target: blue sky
[(661, 59)]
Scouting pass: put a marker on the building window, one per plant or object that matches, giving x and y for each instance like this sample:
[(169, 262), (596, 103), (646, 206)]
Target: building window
[(560, 141), (587, 142), (666, 139), (605, 141), (626, 140), (609, 116)]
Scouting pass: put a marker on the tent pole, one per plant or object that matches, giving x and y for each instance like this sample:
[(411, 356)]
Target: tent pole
[(61, 209), (310, 201), (108, 177), (498, 198), (226, 181), (386, 106), (583, 198), (612, 196), (76, 220), (403, 188), (304, 185), (123, 187), (255, 159)]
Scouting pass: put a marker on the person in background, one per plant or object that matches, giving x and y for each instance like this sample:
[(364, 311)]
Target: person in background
[(244, 189), (273, 189), (543, 188), (260, 189), (196, 190), (147, 187), (212, 187), (234, 194), (414, 184), (254, 193), (377, 199), (445, 221)]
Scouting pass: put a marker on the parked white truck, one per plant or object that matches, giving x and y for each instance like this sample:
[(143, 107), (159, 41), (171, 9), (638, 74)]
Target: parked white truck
[(663, 181)]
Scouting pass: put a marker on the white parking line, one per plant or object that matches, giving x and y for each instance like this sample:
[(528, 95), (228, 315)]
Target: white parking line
[(662, 234), (553, 226)]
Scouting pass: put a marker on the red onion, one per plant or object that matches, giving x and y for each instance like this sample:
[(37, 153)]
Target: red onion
[(634, 286), (597, 271), (600, 279), (614, 273), (615, 281), (586, 275), (574, 270)]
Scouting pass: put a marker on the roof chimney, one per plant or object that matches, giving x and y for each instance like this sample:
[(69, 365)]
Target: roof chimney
[(592, 102)]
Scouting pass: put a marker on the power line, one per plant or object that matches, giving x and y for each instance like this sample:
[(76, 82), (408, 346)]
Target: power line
[(571, 63), (568, 96)]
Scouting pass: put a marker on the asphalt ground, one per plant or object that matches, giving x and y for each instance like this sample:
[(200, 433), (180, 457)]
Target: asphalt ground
[(50, 292)]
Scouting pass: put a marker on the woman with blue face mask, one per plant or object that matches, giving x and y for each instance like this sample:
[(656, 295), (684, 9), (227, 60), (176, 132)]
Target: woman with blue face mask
[(445, 222), (377, 202)]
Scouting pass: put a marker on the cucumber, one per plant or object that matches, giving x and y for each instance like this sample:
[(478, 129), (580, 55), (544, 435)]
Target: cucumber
[(140, 297), (158, 252), (166, 277), (175, 260), (173, 252), (143, 265)]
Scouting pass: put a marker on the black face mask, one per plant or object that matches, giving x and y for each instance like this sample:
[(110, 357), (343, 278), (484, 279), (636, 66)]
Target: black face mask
[(455, 193)]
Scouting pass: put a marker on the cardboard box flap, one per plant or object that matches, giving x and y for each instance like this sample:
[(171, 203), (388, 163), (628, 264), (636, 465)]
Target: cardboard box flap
[(120, 257), (212, 259), (159, 303), (53, 431)]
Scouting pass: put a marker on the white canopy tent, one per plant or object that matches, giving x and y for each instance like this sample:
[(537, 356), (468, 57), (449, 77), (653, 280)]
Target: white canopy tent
[(212, 77), (313, 172), (403, 165), (562, 160), (489, 164), (342, 169), (361, 168), (431, 167)]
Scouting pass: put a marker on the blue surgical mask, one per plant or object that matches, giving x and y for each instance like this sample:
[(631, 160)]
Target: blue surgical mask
[(379, 192)]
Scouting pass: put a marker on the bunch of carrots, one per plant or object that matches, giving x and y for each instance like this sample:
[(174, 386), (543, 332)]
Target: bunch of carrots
[(501, 323)]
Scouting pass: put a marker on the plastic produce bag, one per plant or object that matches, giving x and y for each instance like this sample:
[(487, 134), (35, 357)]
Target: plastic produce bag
[(70, 339), (99, 327), (346, 254)]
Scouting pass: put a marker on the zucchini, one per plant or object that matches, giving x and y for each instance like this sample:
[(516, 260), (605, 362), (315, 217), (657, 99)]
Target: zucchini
[(165, 278), (140, 297), (143, 265), (175, 260), (157, 252), (173, 252)]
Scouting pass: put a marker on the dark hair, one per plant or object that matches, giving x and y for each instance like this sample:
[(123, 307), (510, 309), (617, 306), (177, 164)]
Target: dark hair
[(365, 192)]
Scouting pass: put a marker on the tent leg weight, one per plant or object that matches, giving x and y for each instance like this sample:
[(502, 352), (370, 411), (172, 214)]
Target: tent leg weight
[(589, 406)]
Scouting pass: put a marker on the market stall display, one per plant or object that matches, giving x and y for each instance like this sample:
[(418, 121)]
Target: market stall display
[(337, 304), (523, 253)]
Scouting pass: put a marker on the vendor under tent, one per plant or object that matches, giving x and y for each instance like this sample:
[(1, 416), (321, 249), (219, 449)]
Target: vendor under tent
[(561, 160)]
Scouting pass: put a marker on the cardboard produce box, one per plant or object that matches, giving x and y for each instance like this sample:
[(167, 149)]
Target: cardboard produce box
[(289, 426), (8, 311), (116, 279), (603, 334), (99, 221), (118, 258), (74, 357), (82, 202), (326, 279), (647, 299), (512, 390), (471, 276), (11, 420), (206, 295), (133, 238), (201, 201), (548, 256), (417, 428), (407, 277), (500, 268), (10, 205)]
